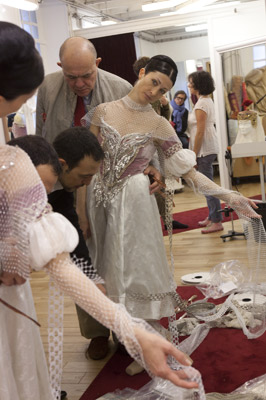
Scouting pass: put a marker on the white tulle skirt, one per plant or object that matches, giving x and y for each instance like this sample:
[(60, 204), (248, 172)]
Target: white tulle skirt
[(24, 374), (128, 251)]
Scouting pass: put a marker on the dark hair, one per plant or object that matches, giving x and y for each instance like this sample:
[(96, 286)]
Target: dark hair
[(163, 64), (21, 67), (140, 63), (202, 82), (180, 92), (73, 144), (39, 150)]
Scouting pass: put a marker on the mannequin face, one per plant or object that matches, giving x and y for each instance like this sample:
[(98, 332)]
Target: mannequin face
[(10, 106)]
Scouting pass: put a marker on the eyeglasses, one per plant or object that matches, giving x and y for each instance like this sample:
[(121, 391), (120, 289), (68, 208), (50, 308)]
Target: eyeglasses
[(180, 98)]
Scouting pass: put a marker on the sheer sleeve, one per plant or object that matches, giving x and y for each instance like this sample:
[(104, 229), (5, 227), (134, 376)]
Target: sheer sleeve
[(22, 200), (201, 184), (114, 316)]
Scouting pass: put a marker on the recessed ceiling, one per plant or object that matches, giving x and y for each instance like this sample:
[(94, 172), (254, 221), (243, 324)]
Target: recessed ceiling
[(94, 13)]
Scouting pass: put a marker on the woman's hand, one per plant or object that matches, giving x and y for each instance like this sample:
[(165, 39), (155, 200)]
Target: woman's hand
[(11, 278), (156, 350), (153, 172), (243, 205)]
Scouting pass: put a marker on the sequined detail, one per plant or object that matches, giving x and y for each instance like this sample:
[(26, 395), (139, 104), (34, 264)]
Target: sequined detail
[(172, 150), (179, 302), (120, 152)]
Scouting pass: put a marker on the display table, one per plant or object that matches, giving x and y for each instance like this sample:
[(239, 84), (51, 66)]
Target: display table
[(254, 149)]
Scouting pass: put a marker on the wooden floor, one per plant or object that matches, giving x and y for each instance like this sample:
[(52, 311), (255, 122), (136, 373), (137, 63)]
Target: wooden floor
[(193, 252)]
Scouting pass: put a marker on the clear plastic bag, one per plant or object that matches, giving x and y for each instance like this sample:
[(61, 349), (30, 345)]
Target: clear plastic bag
[(224, 279)]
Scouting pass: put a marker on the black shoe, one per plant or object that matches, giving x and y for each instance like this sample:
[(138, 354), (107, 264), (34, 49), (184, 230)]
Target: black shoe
[(177, 225), (98, 348), (63, 394)]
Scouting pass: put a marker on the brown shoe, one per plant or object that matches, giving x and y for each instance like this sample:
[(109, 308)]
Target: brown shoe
[(98, 348)]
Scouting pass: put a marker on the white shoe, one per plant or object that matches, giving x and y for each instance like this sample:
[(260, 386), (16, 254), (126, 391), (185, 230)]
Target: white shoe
[(134, 368), (213, 227), (205, 222)]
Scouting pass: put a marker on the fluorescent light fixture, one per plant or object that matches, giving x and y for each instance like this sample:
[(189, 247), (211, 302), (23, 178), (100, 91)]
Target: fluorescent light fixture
[(27, 5), (194, 28), (108, 22), (196, 6), (160, 5), (222, 5), (87, 24)]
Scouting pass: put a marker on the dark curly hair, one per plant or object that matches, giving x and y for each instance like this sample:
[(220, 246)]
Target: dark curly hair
[(202, 82), (163, 64)]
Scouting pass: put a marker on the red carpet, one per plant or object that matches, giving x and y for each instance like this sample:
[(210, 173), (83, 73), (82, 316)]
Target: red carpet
[(226, 360), (192, 217)]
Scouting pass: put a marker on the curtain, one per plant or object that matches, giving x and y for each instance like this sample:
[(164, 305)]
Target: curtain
[(118, 54)]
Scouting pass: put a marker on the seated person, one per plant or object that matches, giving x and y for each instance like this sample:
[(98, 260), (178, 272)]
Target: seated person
[(180, 116)]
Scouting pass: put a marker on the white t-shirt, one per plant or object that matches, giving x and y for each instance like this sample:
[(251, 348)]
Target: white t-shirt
[(210, 140)]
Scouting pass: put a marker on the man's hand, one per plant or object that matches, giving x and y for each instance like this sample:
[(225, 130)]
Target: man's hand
[(11, 278), (153, 172)]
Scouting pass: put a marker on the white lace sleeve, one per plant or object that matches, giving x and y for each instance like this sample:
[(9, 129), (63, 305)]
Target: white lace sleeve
[(129, 331), (180, 162), (49, 236), (201, 184)]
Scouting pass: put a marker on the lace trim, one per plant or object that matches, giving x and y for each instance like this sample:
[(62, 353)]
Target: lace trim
[(172, 150)]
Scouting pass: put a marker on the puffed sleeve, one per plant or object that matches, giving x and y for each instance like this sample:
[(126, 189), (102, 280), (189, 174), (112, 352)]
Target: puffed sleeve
[(177, 161), (49, 236), (181, 162)]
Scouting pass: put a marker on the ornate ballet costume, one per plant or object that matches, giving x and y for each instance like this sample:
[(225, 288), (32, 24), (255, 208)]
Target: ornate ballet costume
[(33, 236), (126, 241)]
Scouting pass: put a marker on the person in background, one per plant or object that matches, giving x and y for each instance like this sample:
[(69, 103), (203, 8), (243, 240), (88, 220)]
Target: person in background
[(204, 141), (180, 117), (65, 96)]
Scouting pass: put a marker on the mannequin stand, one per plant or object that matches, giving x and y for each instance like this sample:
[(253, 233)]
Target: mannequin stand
[(231, 234)]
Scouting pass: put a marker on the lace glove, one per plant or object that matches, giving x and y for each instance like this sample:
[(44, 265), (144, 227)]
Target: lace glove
[(201, 184), (142, 342)]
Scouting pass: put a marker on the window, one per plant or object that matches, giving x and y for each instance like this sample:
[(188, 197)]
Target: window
[(259, 56), (29, 23)]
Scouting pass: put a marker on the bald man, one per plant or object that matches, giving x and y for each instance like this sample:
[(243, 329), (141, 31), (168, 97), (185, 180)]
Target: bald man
[(65, 96)]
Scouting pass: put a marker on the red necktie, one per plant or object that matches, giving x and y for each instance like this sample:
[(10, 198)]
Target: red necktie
[(79, 111)]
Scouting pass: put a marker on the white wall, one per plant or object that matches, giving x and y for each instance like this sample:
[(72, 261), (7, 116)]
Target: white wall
[(178, 50), (187, 49)]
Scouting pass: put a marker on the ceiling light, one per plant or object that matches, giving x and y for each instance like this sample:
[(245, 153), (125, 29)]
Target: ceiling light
[(28, 5), (108, 22), (195, 6), (222, 5), (161, 5), (193, 28)]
